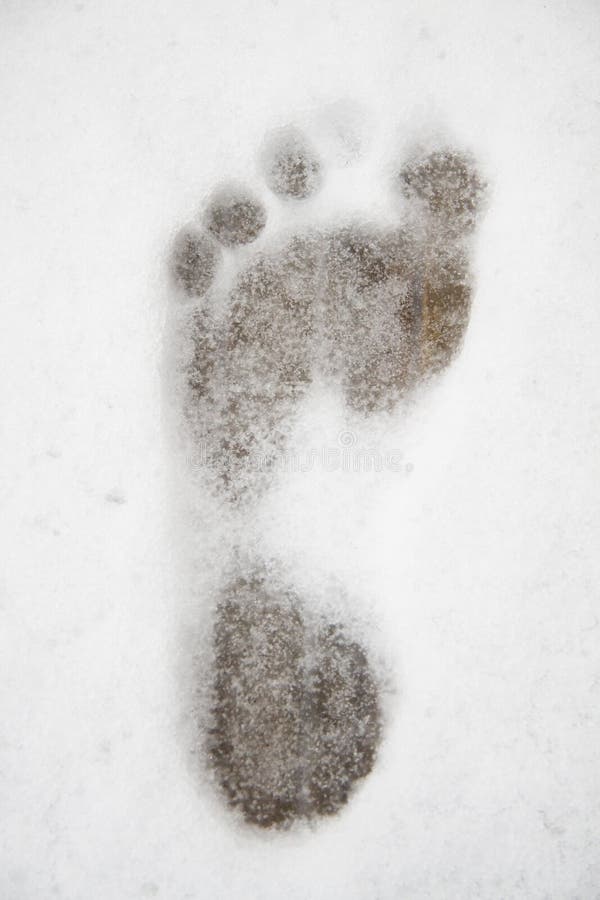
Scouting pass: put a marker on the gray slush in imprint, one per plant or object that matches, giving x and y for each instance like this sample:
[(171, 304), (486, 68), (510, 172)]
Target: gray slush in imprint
[(235, 216), (295, 715)]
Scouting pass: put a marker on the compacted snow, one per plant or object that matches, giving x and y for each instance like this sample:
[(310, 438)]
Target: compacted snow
[(470, 569)]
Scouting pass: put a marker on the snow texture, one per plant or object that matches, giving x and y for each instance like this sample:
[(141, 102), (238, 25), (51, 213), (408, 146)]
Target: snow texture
[(463, 559)]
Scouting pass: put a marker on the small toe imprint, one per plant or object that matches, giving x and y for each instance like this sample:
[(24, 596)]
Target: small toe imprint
[(292, 168), (194, 261), (235, 216)]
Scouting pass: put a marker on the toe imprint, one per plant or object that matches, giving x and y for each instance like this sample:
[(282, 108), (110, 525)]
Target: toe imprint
[(291, 166), (448, 182), (235, 216), (194, 262)]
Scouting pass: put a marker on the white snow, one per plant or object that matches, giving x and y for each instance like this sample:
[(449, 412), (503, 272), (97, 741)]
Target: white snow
[(479, 570)]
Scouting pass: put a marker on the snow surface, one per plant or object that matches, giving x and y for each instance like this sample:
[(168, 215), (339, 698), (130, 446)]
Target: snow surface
[(479, 569)]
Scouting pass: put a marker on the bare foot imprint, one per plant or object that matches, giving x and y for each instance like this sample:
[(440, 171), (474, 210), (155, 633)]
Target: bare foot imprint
[(296, 718)]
